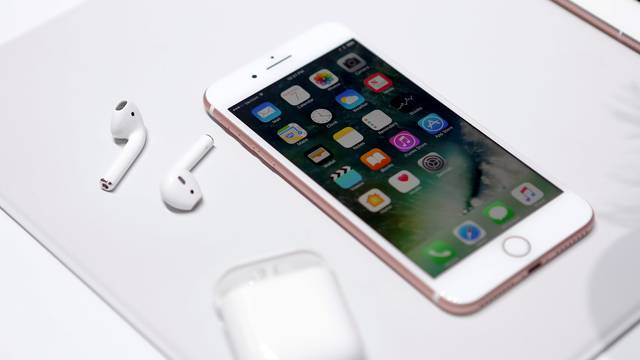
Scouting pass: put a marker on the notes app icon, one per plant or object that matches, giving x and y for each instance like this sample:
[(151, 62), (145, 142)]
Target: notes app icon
[(348, 137)]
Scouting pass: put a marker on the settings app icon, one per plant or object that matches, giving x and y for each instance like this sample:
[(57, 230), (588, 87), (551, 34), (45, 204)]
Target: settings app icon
[(433, 162)]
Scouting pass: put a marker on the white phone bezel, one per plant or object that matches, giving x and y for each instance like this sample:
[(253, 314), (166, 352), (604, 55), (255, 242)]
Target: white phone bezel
[(482, 272)]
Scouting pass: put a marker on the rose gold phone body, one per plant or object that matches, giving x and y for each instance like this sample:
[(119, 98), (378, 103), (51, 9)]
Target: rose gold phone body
[(251, 142), (617, 34)]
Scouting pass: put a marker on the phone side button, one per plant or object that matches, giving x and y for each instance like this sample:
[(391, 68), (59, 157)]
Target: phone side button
[(516, 246)]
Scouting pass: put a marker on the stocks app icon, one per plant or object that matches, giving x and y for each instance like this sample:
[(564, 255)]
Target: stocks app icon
[(405, 103)]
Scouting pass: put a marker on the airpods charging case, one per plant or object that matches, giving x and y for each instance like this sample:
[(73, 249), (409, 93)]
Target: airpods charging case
[(287, 307)]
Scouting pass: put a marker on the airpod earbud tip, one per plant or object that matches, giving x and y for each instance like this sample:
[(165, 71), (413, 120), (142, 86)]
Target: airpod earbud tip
[(181, 191)]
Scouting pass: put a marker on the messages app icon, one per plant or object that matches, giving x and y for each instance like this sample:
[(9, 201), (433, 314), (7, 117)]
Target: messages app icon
[(266, 112), (349, 99)]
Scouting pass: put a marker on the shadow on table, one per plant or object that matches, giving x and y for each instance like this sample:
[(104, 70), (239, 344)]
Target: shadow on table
[(614, 291)]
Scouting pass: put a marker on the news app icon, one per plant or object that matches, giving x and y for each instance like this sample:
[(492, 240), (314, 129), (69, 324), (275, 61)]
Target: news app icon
[(527, 193)]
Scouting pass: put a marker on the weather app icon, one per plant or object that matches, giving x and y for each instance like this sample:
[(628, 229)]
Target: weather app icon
[(433, 124), (349, 99)]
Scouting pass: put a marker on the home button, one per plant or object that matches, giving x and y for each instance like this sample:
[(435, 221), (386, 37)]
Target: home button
[(516, 246)]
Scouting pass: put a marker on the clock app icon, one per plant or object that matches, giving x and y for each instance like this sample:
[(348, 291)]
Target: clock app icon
[(321, 116)]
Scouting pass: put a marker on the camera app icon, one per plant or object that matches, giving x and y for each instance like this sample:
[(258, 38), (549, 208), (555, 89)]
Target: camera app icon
[(351, 62)]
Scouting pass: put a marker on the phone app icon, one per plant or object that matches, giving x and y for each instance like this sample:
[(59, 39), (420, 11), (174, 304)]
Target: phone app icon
[(375, 159), (433, 124), (346, 177), (527, 193), (433, 162), (319, 155), (440, 252), (498, 212), (377, 120), (405, 103), (348, 137), (295, 95), (351, 62), (349, 99), (266, 112), (321, 116), (404, 181), (404, 141), (374, 200), (469, 232), (323, 78), (292, 133), (378, 82)]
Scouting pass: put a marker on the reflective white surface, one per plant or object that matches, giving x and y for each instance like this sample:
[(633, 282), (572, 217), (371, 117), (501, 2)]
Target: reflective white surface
[(460, 50)]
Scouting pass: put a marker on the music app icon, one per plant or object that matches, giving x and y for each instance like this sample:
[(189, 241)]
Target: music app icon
[(404, 141), (527, 193)]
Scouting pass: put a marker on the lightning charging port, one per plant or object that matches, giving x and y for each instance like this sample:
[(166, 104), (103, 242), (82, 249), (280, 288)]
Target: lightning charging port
[(534, 268)]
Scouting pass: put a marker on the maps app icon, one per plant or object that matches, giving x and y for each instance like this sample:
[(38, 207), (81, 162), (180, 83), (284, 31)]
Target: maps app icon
[(433, 124)]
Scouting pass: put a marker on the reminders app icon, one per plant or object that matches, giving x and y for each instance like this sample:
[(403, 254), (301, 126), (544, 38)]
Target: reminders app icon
[(349, 99), (266, 112)]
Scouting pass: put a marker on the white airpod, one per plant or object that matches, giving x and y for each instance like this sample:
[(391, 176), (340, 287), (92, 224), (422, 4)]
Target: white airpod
[(180, 190), (126, 124)]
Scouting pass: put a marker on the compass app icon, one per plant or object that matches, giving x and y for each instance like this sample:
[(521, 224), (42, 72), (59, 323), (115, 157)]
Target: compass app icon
[(469, 232)]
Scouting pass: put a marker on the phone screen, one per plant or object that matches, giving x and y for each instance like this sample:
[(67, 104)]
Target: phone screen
[(419, 174)]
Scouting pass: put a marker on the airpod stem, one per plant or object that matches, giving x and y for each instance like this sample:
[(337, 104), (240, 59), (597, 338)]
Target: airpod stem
[(197, 151)]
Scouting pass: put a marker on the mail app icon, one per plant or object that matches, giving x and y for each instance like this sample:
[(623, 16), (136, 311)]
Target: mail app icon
[(266, 112)]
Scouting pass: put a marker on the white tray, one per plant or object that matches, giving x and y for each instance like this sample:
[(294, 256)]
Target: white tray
[(564, 93)]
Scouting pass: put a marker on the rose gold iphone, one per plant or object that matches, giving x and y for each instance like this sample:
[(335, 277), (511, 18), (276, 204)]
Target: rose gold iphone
[(453, 210)]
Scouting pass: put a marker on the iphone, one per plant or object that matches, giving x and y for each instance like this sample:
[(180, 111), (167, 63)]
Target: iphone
[(452, 209)]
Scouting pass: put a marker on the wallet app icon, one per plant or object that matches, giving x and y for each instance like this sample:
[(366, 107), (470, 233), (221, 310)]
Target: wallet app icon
[(319, 155)]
